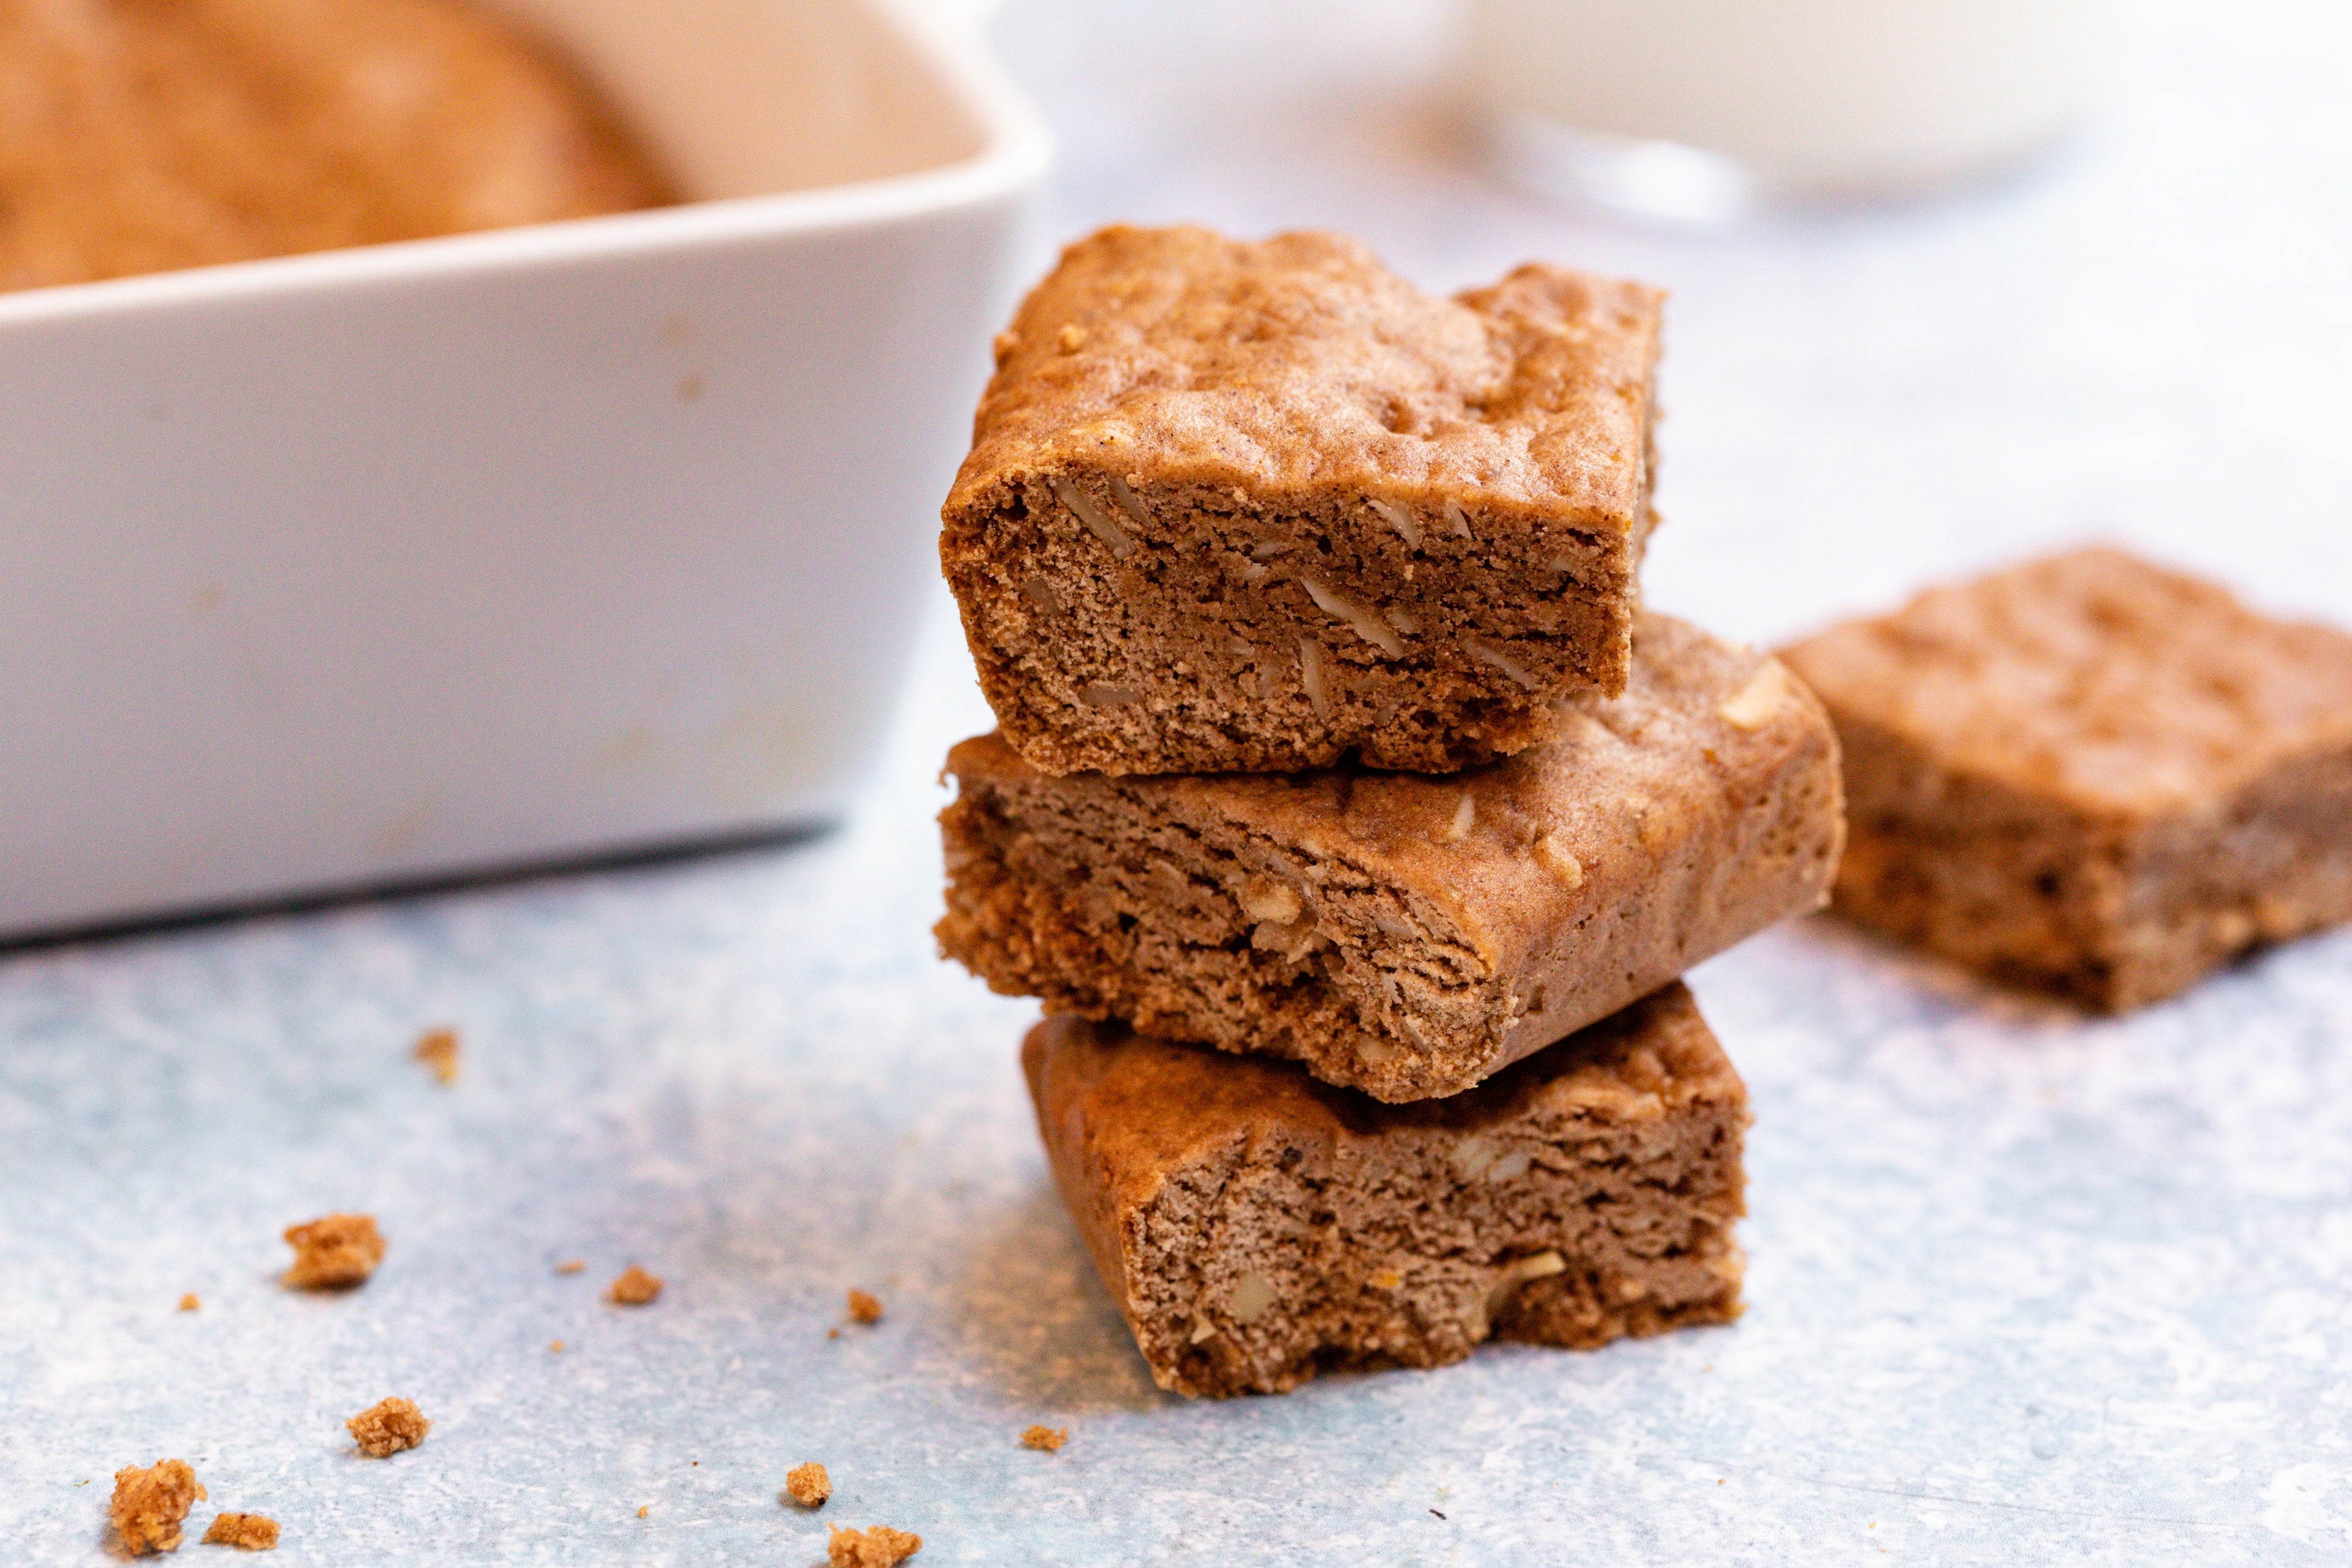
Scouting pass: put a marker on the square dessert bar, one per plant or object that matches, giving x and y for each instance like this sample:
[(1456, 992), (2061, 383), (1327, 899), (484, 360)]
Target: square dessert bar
[(1257, 1227), (1256, 507), (2091, 774), (1403, 934)]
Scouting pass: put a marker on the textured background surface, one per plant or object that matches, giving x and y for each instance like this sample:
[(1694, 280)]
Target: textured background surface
[(2025, 1288)]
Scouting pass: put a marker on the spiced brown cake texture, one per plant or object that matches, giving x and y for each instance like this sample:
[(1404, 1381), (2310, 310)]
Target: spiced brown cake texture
[(1257, 1227), (143, 136), (1264, 505), (2091, 774), (1400, 934)]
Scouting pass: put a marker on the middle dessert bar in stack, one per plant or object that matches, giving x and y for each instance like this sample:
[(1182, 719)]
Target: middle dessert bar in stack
[(1403, 934)]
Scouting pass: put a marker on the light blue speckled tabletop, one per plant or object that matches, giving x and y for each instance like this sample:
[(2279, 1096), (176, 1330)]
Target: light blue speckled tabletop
[(2024, 1288)]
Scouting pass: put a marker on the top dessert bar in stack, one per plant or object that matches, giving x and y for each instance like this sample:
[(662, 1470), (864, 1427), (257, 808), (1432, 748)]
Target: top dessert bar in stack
[(1237, 507)]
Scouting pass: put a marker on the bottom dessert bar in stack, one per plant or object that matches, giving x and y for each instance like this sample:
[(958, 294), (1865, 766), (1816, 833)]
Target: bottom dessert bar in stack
[(1258, 1227), (1502, 1115)]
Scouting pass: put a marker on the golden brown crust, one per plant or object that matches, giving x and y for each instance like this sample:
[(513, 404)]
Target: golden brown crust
[(2091, 774), (154, 135), (2093, 677), (1406, 935), (1255, 506), (150, 1502), (1301, 363), (1257, 1225), (333, 1252)]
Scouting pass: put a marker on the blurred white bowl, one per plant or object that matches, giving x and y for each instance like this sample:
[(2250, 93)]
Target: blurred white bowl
[(389, 564)]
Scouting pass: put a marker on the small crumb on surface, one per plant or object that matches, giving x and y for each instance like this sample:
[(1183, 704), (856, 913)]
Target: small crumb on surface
[(635, 1288), (1045, 1439), (878, 1546), (864, 1309), (555, 1347), (245, 1532), (387, 1427), (437, 1049), (642, 1508), (333, 1252), (573, 1265), (808, 1485), (833, 1333), (149, 1504), (189, 1302)]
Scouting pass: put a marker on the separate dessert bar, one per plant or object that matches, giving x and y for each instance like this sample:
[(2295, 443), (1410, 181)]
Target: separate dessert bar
[(1403, 934), (1256, 1226), (2091, 774), (1261, 507)]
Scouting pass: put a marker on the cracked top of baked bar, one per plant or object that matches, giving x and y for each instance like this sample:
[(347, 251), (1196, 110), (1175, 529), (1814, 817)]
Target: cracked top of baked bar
[(2092, 675), (1300, 364)]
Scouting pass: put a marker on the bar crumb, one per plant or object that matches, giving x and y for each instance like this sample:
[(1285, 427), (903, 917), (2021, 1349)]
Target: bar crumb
[(643, 1508), (555, 1347), (190, 1302), (245, 1532), (635, 1288), (438, 1049), (333, 1252), (573, 1265), (150, 1502), (1045, 1439), (385, 1428), (864, 1309), (878, 1546), (808, 1485)]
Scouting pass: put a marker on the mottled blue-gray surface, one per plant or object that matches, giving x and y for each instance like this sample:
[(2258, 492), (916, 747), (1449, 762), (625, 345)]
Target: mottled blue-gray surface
[(2026, 1287)]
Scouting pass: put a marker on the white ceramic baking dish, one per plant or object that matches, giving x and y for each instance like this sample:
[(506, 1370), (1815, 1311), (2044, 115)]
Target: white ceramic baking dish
[(386, 565)]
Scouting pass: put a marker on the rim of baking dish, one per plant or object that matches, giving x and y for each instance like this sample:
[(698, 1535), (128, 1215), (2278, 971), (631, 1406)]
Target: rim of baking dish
[(1013, 154)]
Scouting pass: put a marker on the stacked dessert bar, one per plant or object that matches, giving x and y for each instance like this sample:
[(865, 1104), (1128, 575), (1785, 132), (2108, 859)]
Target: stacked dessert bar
[(1348, 813)]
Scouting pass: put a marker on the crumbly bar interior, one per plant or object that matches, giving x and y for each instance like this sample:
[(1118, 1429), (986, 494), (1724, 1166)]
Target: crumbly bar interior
[(1569, 1219), (1169, 628), (2117, 911)]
